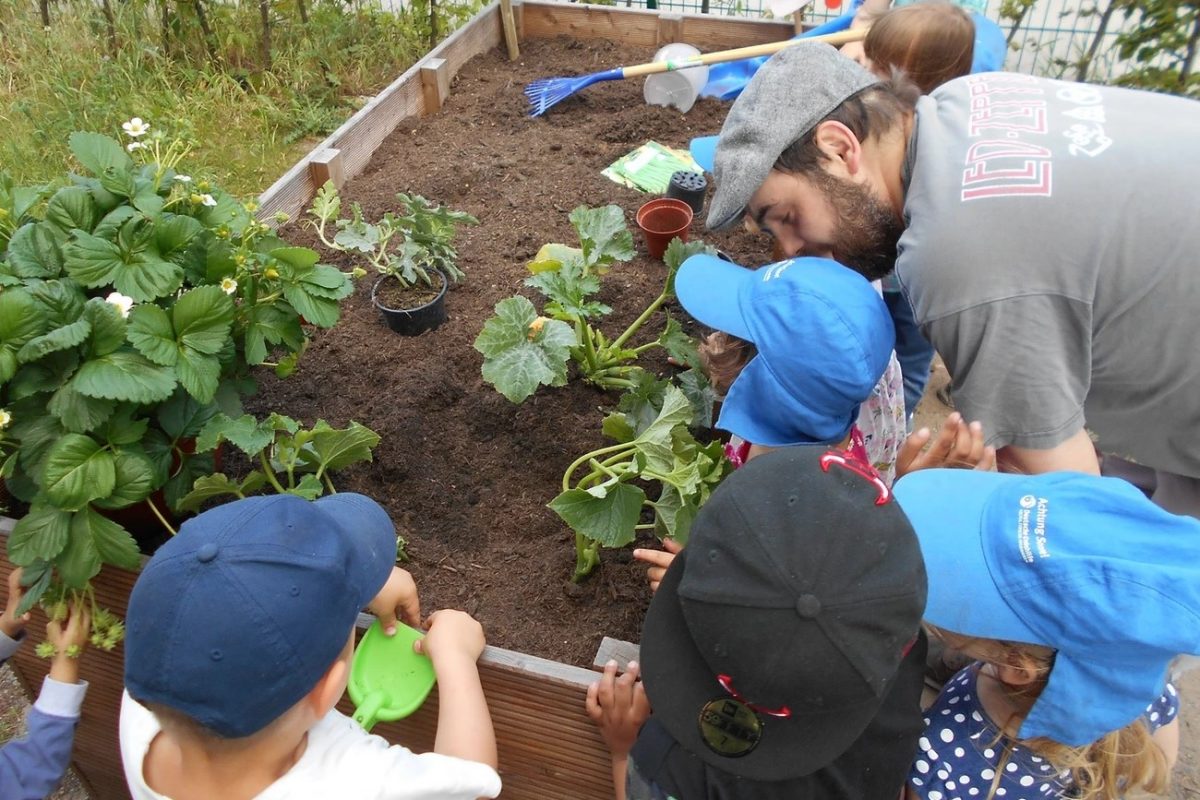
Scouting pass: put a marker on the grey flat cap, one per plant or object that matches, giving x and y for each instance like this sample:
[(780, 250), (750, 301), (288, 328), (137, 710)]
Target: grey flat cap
[(792, 92)]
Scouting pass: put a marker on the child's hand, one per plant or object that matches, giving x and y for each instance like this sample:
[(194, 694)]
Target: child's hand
[(658, 560), (619, 707), (10, 623), (398, 596), (69, 638), (957, 445), (451, 634)]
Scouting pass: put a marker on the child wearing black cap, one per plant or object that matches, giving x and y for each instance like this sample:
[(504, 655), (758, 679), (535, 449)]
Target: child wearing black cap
[(782, 653), (239, 636)]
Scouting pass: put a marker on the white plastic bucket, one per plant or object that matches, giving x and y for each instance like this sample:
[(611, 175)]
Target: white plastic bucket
[(678, 88)]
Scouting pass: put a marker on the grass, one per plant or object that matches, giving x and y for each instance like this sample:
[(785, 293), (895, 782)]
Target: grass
[(248, 123)]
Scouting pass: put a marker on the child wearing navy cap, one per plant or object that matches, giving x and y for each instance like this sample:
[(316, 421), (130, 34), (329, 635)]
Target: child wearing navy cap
[(239, 636), (1075, 593)]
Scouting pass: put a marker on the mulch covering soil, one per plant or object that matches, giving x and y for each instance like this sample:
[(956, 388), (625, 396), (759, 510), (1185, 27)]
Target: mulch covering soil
[(464, 473)]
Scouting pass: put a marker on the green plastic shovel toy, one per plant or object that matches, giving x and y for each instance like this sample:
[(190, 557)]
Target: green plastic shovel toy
[(388, 681)]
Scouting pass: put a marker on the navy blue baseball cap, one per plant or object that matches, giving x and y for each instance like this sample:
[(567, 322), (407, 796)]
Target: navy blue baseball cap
[(1079, 563), (824, 339), (234, 620)]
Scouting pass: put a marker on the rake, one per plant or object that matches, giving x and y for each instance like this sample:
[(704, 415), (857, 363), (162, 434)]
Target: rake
[(547, 92)]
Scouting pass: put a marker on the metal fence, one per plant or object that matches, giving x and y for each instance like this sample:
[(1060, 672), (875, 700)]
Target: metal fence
[(1051, 38)]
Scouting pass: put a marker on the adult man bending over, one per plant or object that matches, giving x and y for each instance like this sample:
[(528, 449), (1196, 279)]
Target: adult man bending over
[(1044, 232)]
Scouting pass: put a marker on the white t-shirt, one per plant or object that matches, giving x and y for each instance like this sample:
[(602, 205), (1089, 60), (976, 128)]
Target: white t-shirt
[(341, 760)]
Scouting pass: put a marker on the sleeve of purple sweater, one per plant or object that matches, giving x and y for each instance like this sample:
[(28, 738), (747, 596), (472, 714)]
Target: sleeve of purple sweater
[(33, 766)]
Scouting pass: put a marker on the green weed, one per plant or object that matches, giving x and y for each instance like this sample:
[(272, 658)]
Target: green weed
[(248, 122)]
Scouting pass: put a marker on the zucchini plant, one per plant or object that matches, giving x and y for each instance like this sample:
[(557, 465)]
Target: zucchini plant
[(603, 498), (523, 349)]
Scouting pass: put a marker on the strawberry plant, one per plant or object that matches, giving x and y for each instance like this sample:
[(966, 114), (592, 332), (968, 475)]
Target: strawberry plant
[(134, 302), (601, 499), (523, 350)]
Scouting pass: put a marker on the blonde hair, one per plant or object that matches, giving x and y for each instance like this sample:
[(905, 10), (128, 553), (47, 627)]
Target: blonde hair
[(1116, 764), (931, 43)]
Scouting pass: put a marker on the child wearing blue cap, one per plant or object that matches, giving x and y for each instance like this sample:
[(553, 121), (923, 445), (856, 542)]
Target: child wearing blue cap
[(811, 342), (239, 636), (1075, 593), (34, 765)]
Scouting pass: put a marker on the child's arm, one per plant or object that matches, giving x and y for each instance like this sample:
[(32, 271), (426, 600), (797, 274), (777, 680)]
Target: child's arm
[(659, 561), (1167, 738), (619, 708), (34, 766), (398, 597), (454, 643), (958, 444), (12, 627)]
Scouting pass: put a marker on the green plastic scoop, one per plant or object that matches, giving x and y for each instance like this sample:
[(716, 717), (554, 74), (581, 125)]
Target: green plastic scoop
[(388, 681)]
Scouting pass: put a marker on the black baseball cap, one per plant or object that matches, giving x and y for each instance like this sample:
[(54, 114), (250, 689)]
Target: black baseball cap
[(775, 637)]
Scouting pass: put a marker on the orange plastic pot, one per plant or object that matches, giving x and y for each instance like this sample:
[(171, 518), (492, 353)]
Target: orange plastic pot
[(661, 221)]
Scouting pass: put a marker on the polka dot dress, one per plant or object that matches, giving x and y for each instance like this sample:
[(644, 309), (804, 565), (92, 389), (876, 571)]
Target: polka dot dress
[(962, 749)]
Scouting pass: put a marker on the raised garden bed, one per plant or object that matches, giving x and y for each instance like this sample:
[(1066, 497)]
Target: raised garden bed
[(465, 473)]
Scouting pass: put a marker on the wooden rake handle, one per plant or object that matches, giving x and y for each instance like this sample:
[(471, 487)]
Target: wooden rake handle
[(753, 51)]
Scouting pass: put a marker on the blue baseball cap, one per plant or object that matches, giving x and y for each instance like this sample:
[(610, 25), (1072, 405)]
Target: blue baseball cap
[(824, 338), (234, 620), (1079, 563)]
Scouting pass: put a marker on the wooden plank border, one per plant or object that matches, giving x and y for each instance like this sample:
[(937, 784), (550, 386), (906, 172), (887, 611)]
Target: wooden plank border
[(548, 747), (361, 135), (418, 91)]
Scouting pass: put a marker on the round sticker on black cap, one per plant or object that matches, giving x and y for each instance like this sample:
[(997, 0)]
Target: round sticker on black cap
[(729, 728)]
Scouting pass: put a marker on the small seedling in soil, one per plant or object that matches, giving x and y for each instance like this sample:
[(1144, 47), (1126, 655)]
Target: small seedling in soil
[(404, 247), (524, 350), (291, 459), (653, 444)]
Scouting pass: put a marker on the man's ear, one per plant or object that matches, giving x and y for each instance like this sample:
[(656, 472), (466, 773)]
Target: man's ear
[(840, 147)]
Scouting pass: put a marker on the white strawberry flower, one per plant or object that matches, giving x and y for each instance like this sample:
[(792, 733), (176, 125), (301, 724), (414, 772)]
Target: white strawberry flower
[(135, 127), (122, 302), (5, 419), (134, 146), (184, 178), (228, 285), (207, 200)]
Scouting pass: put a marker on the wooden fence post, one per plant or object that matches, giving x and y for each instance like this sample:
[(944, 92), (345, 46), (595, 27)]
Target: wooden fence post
[(435, 83)]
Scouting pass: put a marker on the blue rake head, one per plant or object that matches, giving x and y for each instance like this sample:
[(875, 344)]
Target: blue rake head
[(547, 92)]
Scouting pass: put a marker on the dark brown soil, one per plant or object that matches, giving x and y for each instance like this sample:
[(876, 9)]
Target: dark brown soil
[(396, 296), (466, 474)]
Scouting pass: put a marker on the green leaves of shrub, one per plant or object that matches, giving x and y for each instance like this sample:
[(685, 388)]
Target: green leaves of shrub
[(101, 408), (519, 355), (604, 506)]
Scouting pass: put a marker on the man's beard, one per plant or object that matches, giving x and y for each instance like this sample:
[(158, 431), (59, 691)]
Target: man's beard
[(868, 230)]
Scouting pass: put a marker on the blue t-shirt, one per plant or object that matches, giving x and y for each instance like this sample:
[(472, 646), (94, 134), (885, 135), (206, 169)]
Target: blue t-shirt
[(962, 747)]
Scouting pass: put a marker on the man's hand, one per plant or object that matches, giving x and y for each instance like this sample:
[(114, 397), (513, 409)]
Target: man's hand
[(452, 634), (618, 706), (10, 623), (957, 445), (397, 597), (658, 561), (69, 637)]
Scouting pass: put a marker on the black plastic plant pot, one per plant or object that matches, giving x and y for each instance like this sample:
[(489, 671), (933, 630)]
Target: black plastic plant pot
[(413, 321), (688, 187)]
